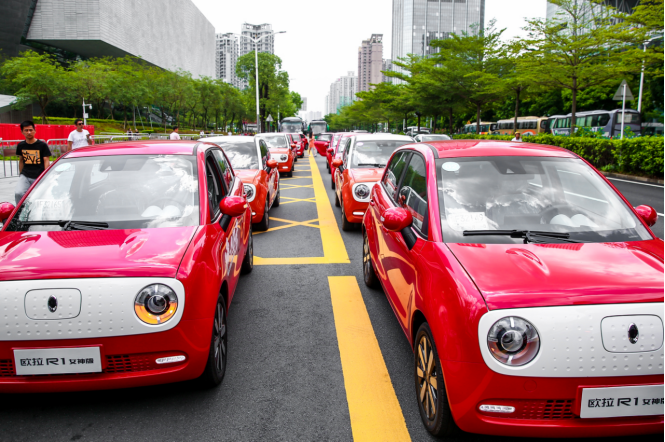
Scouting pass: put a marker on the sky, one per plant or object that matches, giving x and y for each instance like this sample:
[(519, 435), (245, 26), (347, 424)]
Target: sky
[(321, 42)]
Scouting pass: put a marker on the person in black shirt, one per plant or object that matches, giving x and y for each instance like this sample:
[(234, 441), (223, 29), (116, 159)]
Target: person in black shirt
[(33, 159)]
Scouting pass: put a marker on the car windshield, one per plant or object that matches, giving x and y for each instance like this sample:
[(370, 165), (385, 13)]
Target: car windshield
[(543, 194), (243, 155), (122, 192), (275, 141), (317, 128), (291, 127), (426, 138), (373, 153)]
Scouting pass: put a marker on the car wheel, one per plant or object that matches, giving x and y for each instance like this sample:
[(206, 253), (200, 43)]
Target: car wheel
[(346, 225), (368, 268), (263, 225), (430, 389), (332, 182), (276, 202), (336, 200), (216, 366), (248, 261)]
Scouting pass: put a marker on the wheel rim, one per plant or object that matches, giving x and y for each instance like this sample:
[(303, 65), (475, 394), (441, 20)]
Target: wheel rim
[(426, 372), (219, 343), (366, 257), (267, 215)]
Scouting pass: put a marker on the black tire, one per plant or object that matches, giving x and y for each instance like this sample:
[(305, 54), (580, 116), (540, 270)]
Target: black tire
[(332, 181), (434, 408), (264, 224), (276, 202), (347, 226), (248, 260), (213, 374), (336, 200), (368, 267)]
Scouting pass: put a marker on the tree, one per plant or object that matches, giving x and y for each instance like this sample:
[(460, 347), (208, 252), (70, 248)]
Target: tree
[(35, 77), (580, 48)]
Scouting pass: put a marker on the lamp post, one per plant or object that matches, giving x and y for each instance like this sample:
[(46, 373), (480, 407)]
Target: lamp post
[(256, 66), (639, 100)]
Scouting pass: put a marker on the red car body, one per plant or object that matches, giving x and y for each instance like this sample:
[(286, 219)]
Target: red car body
[(322, 142), (203, 260), (299, 149), (337, 154), (455, 287)]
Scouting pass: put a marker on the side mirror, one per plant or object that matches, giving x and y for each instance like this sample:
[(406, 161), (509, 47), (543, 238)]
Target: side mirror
[(293, 146), (647, 213), (271, 163), (396, 219), (6, 210), (337, 162), (329, 150), (233, 206)]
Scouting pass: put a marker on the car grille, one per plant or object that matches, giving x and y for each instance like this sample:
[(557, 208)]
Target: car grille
[(128, 363), (6, 368), (551, 409)]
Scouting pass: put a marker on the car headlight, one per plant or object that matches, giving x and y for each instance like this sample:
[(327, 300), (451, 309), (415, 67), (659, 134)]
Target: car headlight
[(283, 157), (513, 341), (250, 192), (156, 304), (361, 191)]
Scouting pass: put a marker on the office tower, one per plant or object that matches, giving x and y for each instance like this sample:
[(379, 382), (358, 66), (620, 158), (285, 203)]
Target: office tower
[(370, 62), (226, 51)]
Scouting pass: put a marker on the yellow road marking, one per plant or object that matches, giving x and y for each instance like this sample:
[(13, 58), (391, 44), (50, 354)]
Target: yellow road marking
[(290, 224), (290, 200), (295, 178), (334, 250), (373, 406), (295, 186)]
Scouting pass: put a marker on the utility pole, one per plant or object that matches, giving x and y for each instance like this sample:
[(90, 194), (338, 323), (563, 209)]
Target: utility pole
[(85, 115)]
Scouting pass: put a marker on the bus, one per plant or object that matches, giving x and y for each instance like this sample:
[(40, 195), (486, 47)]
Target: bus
[(294, 125), (606, 122), (486, 127), (525, 125), (317, 126)]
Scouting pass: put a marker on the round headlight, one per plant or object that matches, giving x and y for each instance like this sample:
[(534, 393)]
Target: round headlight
[(249, 192), (283, 157), (513, 341), (362, 191), (156, 304)]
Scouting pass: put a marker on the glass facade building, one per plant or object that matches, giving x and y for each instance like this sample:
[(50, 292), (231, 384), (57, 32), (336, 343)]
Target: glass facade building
[(417, 22)]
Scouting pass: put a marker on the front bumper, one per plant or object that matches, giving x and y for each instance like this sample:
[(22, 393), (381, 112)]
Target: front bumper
[(354, 210), (127, 361), (286, 166), (544, 407)]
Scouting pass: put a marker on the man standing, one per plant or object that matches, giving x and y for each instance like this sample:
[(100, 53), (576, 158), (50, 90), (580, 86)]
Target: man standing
[(79, 137), (174, 135), (33, 159), (517, 138), (201, 134)]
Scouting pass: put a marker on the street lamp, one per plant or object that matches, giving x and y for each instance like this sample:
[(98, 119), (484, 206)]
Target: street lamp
[(256, 66), (639, 100)]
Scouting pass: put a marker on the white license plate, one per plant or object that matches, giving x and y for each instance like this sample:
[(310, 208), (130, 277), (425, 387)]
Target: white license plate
[(643, 400), (57, 360)]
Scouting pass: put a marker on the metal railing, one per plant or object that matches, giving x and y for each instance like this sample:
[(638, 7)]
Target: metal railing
[(8, 148)]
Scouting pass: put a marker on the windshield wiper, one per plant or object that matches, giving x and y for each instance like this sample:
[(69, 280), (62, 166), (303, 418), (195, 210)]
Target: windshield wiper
[(372, 164), (69, 224), (527, 235)]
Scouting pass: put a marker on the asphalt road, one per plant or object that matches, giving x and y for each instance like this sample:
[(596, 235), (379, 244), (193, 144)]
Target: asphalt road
[(288, 377)]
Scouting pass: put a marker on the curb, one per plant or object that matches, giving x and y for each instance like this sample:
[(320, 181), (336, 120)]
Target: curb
[(632, 177)]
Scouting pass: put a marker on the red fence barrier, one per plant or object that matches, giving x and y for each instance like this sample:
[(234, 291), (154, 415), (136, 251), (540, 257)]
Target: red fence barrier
[(43, 131)]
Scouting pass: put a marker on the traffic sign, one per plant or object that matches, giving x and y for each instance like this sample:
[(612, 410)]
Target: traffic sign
[(269, 119), (619, 94)]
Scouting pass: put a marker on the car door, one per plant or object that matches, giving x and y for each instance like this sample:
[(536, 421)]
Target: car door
[(214, 231), (401, 250), (271, 175), (343, 172)]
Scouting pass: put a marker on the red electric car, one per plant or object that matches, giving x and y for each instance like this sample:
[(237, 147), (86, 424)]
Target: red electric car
[(330, 151), (280, 148), (297, 145), (337, 154), (119, 266), (253, 164), (529, 288), (322, 143), (360, 167)]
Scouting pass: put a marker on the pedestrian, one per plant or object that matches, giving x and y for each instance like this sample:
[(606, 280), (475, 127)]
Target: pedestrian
[(311, 144), (79, 137), (201, 134), (174, 135), (517, 138), (33, 159), (212, 133), (230, 134)]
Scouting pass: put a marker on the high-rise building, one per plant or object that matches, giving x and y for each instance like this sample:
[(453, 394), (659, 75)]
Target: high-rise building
[(304, 104), (417, 22), (113, 28), (370, 62), (226, 57), (387, 66), (266, 44), (342, 93)]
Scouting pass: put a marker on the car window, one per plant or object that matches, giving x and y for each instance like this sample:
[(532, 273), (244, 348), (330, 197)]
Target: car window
[(347, 146), (413, 193), (225, 169), (276, 141), (265, 153), (394, 173), (373, 153), (215, 191)]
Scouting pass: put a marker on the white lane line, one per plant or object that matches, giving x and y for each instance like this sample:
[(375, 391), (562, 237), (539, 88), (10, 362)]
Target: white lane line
[(635, 182)]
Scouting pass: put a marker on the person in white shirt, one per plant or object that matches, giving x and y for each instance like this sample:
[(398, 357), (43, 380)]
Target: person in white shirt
[(79, 137), (201, 134), (174, 135), (518, 137)]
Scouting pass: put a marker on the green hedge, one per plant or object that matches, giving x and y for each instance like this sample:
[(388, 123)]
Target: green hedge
[(636, 156)]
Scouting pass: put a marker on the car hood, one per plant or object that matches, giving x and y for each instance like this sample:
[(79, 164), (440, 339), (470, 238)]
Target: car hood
[(532, 275), (247, 175), (367, 174), (93, 254)]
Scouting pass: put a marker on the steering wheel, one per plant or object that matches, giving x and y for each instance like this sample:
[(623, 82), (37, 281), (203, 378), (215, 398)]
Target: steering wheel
[(559, 209)]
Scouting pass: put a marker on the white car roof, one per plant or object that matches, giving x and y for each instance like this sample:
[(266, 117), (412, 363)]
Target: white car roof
[(383, 137), (228, 139)]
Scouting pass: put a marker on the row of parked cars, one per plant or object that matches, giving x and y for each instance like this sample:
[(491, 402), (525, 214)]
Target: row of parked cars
[(529, 288)]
